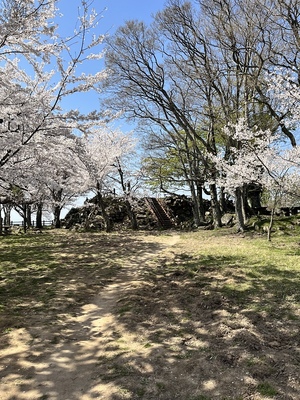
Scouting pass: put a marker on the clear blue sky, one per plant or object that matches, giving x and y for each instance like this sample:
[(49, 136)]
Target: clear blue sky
[(118, 11), (115, 13)]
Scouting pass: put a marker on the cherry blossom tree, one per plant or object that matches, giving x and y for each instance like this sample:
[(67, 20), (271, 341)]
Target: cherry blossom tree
[(38, 70), (127, 179), (102, 150), (259, 158), (52, 176), (284, 89), (59, 176)]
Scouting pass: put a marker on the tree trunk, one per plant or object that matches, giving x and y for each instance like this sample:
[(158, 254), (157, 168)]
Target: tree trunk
[(196, 211), (127, 191), (272, 216), (28, 215), (245, 207), (1, 225), (101, 204), (7, 211), (56, 212), (215, 206), (131, 215), (24, 209), (239, 209), (39, 214), (201, 206), (224, 203), (271, 224)]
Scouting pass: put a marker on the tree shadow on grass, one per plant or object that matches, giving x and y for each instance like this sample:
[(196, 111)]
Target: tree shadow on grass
[(215, 331), (42, 270), (46, 283), (185, 327)]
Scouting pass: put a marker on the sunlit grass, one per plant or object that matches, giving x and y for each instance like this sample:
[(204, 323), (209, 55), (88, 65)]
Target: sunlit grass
[(39, 271), (211, 299), (250, 271)]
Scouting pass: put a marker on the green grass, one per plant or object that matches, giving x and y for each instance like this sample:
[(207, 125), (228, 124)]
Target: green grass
[(214, 299), (38, 272), (253, 273), (266, 389)]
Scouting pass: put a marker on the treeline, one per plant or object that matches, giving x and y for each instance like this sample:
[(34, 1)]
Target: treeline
[(50, 153), (214, 86)]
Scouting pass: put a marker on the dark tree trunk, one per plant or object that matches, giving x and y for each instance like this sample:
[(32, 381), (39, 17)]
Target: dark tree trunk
[(39, 215), (126, 191), (271, 224), (24, 211), (223, 203), (28, 215), (272, 216), (215, 206), (201, 205), (57, 211), (198, 204)]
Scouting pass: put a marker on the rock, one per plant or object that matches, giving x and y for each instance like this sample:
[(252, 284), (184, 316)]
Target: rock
[(228, 219), (179, 209)]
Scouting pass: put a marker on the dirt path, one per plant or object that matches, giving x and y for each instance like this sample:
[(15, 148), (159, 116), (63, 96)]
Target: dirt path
[(66, 365)]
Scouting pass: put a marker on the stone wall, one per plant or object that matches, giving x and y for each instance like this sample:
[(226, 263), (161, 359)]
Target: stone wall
[(89, 216)]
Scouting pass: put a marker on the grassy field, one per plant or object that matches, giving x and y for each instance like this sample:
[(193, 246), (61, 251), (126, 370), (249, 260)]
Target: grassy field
[(214, 316)]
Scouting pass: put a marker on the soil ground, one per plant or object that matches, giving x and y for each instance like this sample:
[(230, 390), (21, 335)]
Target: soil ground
[(125, 321)]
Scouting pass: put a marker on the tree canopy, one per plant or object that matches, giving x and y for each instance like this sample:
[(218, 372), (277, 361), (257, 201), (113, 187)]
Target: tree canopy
[(200, 73), (40, 156)]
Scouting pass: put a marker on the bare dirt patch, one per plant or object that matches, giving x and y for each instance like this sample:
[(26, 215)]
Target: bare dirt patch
[(142, 317)]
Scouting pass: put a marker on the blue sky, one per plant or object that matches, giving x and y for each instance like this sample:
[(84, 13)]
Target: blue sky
[(118, 11), (114, 14)]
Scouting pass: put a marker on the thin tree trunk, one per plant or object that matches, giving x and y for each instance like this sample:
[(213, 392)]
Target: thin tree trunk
[(1, 225), (131, 214), (271, 224), (272, 217), (195, 208), (101, 204), (25, 217), (223, 205), (215, 206), (127, 192), (201, 207), (28, 215)]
